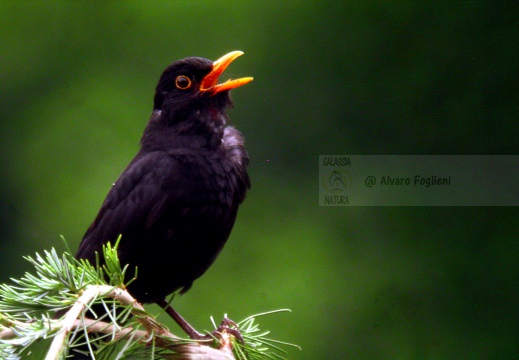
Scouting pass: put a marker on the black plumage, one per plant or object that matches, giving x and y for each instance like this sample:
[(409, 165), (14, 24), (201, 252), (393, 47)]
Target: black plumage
[(176, 202)]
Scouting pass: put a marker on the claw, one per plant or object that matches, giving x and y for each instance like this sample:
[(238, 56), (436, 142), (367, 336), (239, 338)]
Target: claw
[(225, 326)]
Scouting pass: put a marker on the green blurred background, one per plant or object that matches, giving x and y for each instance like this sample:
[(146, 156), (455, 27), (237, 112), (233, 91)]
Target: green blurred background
[(77, 83)]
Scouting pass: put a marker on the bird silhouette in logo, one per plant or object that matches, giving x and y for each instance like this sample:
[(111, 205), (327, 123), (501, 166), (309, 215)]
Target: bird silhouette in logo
[(336, 182)]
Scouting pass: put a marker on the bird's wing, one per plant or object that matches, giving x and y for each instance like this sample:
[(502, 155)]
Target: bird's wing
[(134, 202)]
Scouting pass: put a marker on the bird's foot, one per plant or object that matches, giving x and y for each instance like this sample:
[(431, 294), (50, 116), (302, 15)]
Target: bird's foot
[(227, 326)]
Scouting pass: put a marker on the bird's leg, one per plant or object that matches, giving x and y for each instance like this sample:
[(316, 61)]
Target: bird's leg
[(195, 335), (190, 331)]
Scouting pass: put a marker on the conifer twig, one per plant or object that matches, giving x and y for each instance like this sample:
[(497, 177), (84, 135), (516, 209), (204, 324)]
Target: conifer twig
[(61, 283), (89, 294)]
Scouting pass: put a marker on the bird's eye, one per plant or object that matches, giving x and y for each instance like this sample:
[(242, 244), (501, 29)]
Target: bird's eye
[(183, 82)]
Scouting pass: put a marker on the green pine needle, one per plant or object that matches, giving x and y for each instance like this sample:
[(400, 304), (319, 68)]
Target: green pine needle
[(36, 306)]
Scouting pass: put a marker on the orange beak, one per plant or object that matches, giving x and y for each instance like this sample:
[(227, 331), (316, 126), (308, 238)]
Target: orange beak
[(210, 81)]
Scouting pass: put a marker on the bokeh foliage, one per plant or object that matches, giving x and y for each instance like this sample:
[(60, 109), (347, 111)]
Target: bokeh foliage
[(77, 82)]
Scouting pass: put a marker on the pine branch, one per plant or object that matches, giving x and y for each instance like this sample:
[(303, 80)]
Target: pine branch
[(55, 302)]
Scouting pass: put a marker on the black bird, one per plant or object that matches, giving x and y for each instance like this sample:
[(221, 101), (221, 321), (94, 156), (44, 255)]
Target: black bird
[(176, 202)]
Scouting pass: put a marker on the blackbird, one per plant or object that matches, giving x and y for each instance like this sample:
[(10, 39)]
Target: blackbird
[(175, 204)]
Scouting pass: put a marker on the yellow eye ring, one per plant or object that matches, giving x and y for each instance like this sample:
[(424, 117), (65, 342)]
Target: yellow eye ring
[(183, 82)]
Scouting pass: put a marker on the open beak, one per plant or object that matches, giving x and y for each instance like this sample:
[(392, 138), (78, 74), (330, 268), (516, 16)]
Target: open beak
[(210, 81)]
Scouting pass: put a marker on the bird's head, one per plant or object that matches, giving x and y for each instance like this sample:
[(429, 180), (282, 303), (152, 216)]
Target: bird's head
[(188, 92)]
